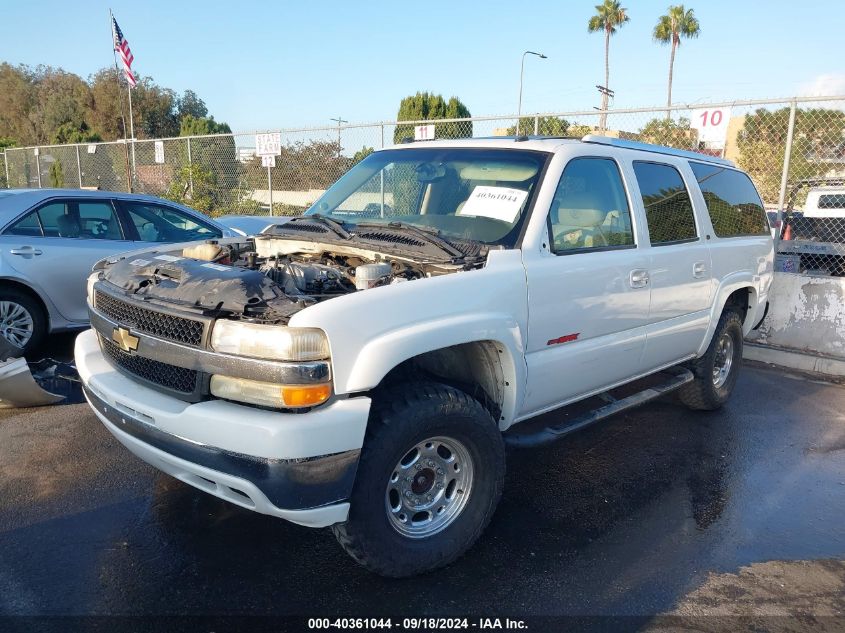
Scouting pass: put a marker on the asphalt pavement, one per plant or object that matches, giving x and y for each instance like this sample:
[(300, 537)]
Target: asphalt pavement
[(625, 518)]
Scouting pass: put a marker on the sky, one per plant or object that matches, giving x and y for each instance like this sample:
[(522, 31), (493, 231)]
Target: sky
[(263, 65)]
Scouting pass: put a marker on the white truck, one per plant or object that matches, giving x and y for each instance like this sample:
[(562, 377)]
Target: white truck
[(365, 365)]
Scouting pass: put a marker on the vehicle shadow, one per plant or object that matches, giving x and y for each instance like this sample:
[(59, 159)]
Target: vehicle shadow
[(542, 549)]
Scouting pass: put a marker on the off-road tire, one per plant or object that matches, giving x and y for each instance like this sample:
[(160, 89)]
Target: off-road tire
[(402, 416), (702, 394), (36, 313)]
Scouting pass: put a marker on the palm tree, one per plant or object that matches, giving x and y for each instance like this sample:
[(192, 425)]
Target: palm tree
[(609, 16), (677, 23)]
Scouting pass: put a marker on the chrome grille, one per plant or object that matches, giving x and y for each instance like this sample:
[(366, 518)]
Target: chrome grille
[(152, 371), (141, 319)]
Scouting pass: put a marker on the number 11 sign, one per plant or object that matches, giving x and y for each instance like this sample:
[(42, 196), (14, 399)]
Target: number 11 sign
[(712, 125)]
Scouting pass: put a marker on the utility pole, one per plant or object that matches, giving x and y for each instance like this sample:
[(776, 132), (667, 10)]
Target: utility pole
[(340, 121), (606, 94)]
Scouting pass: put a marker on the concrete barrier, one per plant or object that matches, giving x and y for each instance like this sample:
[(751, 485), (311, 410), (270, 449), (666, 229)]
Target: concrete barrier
[(807, 316)]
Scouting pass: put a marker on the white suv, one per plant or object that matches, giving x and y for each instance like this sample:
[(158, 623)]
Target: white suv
[(364, 366)]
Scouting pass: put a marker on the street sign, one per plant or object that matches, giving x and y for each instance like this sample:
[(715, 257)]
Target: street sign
[(712, 125), (268, 161), (424, 132), (268, 144), (92, 149), (159, 152)]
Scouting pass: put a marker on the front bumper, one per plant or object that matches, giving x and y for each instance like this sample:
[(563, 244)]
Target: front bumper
[(300, 467)]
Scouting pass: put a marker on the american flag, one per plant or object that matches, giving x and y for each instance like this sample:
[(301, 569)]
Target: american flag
[(122, 47)]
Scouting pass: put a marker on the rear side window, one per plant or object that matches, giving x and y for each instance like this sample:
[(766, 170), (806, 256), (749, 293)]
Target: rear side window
[(667, 203), (590, 209), (81, 219), (28, 225), (732, 201), (56, 220)]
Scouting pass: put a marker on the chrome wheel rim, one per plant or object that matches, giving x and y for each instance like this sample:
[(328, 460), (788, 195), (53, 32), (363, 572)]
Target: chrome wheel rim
[(724, 360), (429, 487), (16, 324)]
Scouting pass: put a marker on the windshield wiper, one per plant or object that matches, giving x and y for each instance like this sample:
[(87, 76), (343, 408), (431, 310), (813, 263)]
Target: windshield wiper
[(430, 236), (334, 227)]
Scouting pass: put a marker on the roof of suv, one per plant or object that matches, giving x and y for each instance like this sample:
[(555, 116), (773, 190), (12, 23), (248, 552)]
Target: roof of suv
[(551, 143)]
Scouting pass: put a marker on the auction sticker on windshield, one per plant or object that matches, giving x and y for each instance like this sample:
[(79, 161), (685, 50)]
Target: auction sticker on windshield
[(499, 203)]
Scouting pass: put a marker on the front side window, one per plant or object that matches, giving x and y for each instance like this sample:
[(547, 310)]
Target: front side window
[(667, 203), (466, 193), (732, 201), (157, 223), (590, 208)]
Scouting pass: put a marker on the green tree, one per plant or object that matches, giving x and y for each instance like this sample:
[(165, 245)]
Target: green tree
[(216, 152), (105, 115), (361, 154), (17, 99), (677, 134), (154, 109), (190, 104), (670, 28), (426, 106), (198, 126), (57, 175), (194, 185), (817, 144), (546, 126), (73, 133), (609, 17)]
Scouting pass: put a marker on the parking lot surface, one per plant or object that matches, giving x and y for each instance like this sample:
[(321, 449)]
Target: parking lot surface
[(626, 518)]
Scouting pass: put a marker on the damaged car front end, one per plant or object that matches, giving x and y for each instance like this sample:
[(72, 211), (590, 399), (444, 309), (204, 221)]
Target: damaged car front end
[(241, 366)]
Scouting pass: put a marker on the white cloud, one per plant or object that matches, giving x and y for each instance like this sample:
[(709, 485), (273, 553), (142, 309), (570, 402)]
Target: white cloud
[(826, 85)]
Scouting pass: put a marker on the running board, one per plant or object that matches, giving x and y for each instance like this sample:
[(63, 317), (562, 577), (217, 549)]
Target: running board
[(549, 434)]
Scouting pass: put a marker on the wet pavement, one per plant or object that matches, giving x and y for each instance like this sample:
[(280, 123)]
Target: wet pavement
[(624, 518)]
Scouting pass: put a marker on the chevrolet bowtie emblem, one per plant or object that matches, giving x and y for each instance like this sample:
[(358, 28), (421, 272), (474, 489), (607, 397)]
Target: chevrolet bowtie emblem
[(125, 340)]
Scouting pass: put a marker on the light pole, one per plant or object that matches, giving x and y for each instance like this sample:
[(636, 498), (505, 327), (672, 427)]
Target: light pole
[(521, 73)]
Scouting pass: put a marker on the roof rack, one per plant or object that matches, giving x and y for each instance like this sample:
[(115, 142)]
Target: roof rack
[(657, 149)]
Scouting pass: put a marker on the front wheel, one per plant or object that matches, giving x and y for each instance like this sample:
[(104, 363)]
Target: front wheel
[(717, 370), (22, 321), (430, 477)]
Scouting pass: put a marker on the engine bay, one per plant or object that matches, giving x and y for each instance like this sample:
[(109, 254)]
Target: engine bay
[(263, 279)]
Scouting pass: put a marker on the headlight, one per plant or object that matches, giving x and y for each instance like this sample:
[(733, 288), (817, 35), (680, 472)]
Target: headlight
[(92, 279), (273, 342), (268, 394)]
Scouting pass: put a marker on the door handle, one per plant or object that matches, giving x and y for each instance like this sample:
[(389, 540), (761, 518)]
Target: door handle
[(638, 278), (699, 270), (25, 251)]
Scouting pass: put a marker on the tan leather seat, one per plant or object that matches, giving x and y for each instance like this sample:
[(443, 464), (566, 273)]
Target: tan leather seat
[(576, 223)]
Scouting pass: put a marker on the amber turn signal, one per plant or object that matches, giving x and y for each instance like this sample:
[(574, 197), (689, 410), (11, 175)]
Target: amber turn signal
[(305, 395)]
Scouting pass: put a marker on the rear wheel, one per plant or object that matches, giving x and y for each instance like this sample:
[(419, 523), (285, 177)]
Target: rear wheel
[(717, 370), (22, 320), (430, 477)]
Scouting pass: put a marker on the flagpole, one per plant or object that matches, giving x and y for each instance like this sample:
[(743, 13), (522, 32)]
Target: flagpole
[(117, 74), (131, 129), (130, 167), (131, 118)]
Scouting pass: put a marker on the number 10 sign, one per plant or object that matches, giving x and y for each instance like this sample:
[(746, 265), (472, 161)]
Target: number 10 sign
[(712, 125)]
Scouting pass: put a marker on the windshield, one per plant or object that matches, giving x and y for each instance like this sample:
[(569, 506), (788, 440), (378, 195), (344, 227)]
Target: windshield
[(464, 193)]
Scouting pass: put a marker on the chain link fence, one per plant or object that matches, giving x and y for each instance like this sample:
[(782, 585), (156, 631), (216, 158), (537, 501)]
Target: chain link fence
[(793, 149)]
